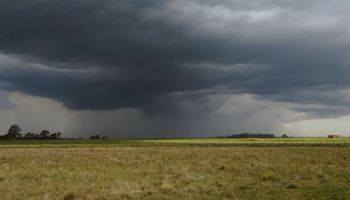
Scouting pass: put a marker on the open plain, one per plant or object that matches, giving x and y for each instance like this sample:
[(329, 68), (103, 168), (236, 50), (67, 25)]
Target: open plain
[(309, 168)]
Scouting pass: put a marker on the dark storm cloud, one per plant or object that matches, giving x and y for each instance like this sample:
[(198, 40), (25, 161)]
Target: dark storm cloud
[(145, 51)]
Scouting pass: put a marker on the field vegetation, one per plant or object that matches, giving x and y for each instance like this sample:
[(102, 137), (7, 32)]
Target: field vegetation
[(293, 168), (321, 141)]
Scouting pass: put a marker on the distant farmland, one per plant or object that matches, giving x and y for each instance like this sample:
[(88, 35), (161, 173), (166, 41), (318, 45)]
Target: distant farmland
[(181, 141), (293, 168)]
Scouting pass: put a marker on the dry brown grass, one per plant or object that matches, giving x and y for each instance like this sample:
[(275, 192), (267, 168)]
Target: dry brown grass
[(175, 173)]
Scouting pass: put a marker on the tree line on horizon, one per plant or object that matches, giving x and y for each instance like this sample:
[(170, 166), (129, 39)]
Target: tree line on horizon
[(252, 135), (14, 133)]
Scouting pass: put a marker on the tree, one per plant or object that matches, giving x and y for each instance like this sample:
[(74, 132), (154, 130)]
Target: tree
[(29, 136), (44, 134), (54, 136), (95, 137), (14, 131)]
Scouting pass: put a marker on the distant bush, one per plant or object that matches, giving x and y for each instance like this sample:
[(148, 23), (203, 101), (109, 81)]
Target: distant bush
[(95, 137)]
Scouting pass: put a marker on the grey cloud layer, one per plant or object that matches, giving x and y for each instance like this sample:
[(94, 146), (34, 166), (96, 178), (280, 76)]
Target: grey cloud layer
[(111, 54)]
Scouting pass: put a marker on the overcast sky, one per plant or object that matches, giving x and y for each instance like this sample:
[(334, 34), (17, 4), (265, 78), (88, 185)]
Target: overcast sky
[(175, 68)]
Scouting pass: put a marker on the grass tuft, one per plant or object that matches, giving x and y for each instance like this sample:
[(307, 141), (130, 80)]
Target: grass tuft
[(69, 196)]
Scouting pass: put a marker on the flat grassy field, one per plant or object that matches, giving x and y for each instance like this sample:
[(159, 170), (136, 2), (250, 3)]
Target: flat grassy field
[(345, 141), (296, 168)]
